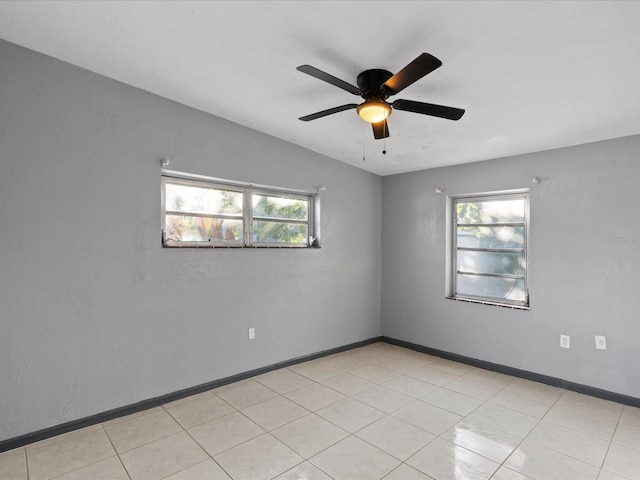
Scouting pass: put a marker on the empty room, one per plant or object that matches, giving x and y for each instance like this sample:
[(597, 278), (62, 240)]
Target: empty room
[(315, 240)]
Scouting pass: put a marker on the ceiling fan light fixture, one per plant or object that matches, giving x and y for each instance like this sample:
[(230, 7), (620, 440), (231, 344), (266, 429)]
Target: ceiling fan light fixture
[(374, 111)]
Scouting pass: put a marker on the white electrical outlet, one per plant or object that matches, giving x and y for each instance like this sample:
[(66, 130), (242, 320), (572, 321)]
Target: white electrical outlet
[(601, 342), (252, 333), (565, 341)]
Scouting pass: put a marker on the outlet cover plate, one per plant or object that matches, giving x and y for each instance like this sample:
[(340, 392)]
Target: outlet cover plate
[(565, 341), (252, 333), (601, 342)]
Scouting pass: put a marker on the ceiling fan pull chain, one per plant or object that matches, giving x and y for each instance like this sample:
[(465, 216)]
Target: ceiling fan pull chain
[(364, 141)]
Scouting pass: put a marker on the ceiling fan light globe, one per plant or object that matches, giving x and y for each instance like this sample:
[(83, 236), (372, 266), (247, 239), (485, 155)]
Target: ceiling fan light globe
[(374, 111)]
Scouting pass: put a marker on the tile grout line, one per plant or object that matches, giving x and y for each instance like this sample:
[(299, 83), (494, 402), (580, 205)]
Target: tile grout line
[(116, 452), (604, 459), (525, 437), (385, 415), (26, 462), (539, 420), (353, 434), (205, 451)]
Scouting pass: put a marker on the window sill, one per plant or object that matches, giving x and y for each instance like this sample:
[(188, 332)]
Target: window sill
[(240, 247), (488, 302)]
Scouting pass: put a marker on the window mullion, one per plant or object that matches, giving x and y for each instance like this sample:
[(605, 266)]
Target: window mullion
[(280, 220), (495, 224), (248, 216), (487, 249), (495, 275), (203, 215)]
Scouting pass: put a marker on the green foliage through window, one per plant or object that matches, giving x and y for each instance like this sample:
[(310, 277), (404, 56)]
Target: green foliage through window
[(280, 219)]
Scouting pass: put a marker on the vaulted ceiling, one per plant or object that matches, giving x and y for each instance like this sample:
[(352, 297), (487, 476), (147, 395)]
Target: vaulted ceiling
[(531, 75)]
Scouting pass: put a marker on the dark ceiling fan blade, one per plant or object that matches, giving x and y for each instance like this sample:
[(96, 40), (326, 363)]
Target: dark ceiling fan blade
[(380, 130), (325, 77), (450, 113), (413, 72), (329, 111)]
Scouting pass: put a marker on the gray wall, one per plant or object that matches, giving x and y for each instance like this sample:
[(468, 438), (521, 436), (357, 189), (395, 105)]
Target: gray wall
[(94, 314), (584, 264)]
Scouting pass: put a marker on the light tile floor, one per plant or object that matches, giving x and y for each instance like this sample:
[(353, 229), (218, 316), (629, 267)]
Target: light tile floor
[(375, 412)]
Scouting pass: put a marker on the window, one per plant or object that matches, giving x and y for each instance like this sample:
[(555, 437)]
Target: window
[(489, 254), (199, 213)]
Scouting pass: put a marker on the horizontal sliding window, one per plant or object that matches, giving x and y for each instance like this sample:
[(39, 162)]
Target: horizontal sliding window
[(202, 214), (489, 255)]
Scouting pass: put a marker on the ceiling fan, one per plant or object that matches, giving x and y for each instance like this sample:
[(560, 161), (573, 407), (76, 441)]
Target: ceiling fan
[(375, 86)]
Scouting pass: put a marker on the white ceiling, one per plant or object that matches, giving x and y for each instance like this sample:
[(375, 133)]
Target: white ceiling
[(531, 75)]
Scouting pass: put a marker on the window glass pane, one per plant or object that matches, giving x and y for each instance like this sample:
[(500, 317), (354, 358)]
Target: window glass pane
[(200, 229), (280, 207), (491, 262), (490, 211), (279, 232), (491, 237), (494, 287), (195, 199)]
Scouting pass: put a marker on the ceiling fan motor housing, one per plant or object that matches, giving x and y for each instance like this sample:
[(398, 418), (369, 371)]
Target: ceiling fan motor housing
[(370, 81)]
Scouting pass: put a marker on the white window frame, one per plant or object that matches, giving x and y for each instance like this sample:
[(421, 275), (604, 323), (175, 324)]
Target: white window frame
[(247, 190), (453, 271)]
